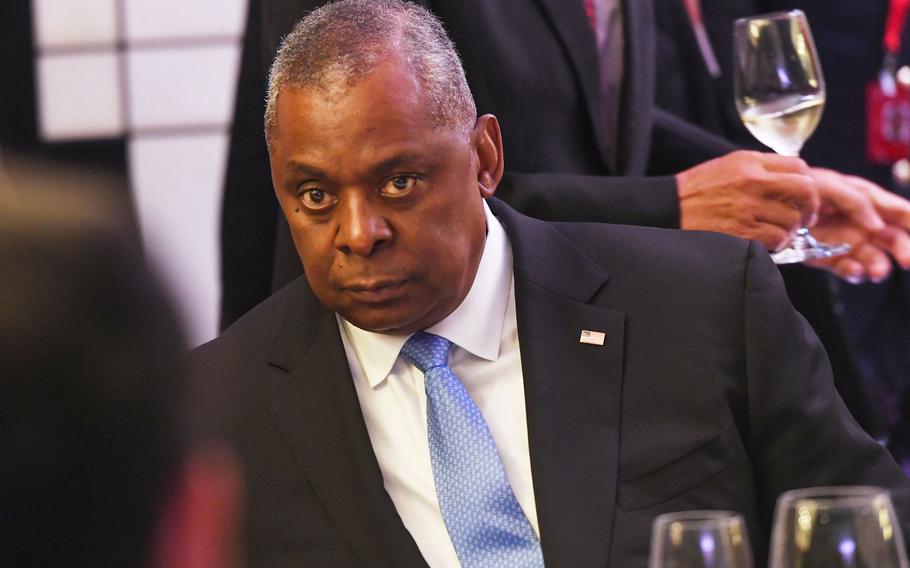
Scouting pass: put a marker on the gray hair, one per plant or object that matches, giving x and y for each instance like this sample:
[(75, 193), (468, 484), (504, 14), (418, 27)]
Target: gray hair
[(344, 41)]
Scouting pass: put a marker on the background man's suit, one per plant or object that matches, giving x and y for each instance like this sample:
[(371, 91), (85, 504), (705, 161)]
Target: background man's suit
[(848, 37), (544, 50), (719, 403)]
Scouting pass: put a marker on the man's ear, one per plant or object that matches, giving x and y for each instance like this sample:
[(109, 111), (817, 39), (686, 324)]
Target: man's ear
[(199, 524), (488, 145)]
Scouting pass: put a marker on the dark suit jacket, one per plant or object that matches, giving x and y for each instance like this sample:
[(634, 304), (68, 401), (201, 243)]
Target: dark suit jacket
[(710, 392)]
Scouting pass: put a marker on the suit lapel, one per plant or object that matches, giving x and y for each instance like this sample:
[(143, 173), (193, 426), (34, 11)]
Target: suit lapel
[(572, 391), (315, 408), (634, 132), (574, 31)]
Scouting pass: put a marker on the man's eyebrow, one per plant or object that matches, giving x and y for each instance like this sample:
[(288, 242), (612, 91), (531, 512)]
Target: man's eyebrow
[(306, 170), (396, 162)]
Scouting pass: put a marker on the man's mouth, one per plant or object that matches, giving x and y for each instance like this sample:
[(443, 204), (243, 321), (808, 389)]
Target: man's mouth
[(376, 291)]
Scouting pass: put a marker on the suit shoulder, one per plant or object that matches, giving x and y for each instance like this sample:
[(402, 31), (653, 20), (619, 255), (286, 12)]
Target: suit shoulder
[(649, 246), (254, 332)]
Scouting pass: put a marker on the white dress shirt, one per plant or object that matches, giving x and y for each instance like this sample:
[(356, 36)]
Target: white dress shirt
[(486, 358)]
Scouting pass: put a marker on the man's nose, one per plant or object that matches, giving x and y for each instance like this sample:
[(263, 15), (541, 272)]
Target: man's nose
[(362, 227)]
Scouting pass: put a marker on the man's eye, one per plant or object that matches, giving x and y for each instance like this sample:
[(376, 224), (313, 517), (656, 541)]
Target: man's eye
[(317, 199), (400, 185)]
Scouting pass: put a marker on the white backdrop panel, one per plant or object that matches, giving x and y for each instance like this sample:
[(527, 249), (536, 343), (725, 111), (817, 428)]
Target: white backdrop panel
[(179, 87), (167, 19), (68, 23), (79, 96), (177, 184)]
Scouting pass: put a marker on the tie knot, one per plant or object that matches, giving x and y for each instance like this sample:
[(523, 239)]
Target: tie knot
[(425, 350)]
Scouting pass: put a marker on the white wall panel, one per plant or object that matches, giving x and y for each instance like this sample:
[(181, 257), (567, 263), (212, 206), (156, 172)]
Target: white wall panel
[(166, 19), (79, 96), (177, 184), (68, 23), (182, 87)]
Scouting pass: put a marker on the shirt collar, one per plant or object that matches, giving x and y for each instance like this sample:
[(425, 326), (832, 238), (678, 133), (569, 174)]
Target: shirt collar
[(475, 325)]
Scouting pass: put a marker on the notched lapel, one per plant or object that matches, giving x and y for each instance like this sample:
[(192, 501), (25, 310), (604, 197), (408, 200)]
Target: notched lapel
[(634, 135), (572, 390), (572, 393), (574, 31), (315, 408)]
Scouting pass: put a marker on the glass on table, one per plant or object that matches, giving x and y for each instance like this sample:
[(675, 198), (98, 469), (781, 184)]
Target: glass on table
[(700, 539), (837, 527)]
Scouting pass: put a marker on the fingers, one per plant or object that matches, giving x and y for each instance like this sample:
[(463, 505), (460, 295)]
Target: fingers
[(876, 265), (777, 163), (796, 190), (782, 215), (863, 262), (896, 242), (894, 209), (848, 196), (770, 236), (867, 259)]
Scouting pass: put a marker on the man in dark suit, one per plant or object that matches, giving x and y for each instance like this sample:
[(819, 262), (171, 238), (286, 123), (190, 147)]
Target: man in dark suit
[(534, 64), (633, 384), (548, 84)]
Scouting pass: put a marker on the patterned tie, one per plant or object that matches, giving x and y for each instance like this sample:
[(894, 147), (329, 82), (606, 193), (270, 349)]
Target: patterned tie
[(485, 522)]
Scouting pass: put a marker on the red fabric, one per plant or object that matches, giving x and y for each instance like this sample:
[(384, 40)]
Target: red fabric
[(592, 16), (693, 8)]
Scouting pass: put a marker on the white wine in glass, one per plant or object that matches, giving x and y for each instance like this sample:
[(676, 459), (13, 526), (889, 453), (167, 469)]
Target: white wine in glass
[(780, 94), (784, 125), (836, 527)]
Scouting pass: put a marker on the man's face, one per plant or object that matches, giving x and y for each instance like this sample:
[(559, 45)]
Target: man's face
[(385, 209)]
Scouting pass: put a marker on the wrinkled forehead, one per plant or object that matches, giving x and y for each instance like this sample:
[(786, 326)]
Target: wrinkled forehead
[(390, 96)]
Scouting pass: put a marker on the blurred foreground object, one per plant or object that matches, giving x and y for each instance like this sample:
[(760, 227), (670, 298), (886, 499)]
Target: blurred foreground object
[(99, 465)]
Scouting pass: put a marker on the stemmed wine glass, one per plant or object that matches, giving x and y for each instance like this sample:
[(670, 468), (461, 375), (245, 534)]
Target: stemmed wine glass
[(700, 539), (836, 527), (780, 95)]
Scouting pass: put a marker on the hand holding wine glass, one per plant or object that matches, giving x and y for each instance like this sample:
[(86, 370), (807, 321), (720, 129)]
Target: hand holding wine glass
[(780, 95)]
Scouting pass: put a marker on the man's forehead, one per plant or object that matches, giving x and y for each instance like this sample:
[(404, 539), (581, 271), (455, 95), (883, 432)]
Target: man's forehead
[(386, 95)]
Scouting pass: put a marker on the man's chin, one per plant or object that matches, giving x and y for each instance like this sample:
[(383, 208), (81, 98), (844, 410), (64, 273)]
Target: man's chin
[(386, 327)]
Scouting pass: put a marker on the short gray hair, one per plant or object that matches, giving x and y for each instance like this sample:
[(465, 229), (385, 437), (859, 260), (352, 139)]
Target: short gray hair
[(344, 41)]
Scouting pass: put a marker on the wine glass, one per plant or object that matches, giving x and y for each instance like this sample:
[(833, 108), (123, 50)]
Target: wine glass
[(780, 94), (836, 527), (700, 539)]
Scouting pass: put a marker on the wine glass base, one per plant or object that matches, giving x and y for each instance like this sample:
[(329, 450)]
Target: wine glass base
[(794, 253)]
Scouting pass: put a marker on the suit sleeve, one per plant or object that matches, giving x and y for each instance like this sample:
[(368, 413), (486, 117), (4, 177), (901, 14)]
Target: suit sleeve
[(647, 201), (678, 145), (800, 432)]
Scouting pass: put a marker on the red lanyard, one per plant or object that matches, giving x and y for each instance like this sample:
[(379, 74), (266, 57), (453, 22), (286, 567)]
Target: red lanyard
[(894, 26), (693, 9)]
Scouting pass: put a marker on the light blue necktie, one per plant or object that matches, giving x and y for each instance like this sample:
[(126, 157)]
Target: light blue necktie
[(484, 520)]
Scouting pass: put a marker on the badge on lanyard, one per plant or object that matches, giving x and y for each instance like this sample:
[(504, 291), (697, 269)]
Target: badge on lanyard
[(888, 97)]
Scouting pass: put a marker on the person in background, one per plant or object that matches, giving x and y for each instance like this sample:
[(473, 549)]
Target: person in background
[(105, 452), (874, 316)]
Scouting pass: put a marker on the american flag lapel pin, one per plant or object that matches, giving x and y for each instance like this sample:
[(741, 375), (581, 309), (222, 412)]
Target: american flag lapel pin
[(592, 337)]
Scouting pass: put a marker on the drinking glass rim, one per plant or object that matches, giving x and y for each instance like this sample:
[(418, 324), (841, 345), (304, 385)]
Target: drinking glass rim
[(701, 518), (826, 494), (770, 17)]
